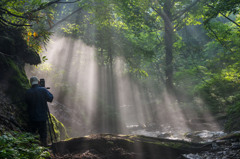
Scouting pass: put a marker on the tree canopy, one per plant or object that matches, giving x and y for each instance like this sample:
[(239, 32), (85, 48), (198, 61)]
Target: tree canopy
[(188, 47)]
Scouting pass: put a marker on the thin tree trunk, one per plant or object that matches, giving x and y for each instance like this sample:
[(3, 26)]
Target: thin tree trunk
[(169, 59), (168, 39), (113, 122)]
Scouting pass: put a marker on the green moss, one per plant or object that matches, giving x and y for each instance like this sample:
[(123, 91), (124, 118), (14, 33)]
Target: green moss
[(172, 145), (231, 136), (129, 140), (68, 139), (166, 144), (17, 82), (59, 129)]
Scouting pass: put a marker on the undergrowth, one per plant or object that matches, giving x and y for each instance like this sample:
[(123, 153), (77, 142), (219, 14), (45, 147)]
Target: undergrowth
[(21, 146)]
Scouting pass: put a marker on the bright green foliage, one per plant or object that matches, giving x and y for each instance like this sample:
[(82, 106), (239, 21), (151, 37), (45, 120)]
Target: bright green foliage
[(226, 34), (34, 17), (232, 123), (110, 35), (21, 146), (221, 89), (219, 94), (222, 7)]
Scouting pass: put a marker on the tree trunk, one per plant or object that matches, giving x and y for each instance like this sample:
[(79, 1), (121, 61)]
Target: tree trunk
[(168, 39), (113, 121)]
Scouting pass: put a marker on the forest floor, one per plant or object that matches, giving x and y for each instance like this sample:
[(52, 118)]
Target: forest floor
[(108, 146)]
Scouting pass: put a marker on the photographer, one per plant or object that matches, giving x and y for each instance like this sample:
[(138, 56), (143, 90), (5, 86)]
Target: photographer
[(36, 98)]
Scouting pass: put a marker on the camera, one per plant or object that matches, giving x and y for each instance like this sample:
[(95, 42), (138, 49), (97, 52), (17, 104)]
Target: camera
[(42, 83)]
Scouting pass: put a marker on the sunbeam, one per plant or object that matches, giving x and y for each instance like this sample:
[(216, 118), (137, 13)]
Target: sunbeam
[(124, 79), (97, 98)]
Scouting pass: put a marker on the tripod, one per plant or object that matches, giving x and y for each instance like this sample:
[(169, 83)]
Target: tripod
[(50, 125)]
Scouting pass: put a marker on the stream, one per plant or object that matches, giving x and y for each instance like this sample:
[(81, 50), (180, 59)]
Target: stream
[(220, 149)]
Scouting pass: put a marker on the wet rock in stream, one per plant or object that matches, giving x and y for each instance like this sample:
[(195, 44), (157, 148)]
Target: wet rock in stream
[(204, 135), (221, 149)]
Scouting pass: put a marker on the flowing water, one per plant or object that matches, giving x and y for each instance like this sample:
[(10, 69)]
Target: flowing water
[(220, 149), (168, 132)]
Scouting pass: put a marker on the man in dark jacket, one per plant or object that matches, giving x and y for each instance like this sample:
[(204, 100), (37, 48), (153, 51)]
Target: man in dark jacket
[(36, 99)]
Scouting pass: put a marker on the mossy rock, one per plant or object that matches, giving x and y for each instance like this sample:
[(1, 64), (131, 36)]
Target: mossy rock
[(17, 81), (231, 136), (59, 129), (14, 53)]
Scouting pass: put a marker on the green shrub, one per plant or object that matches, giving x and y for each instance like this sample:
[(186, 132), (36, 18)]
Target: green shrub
[(219, 94), (21, 146), (233, 114), (187, 80)]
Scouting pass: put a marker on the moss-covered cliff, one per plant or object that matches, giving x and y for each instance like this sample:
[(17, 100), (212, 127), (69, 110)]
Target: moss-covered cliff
[(14, 54)]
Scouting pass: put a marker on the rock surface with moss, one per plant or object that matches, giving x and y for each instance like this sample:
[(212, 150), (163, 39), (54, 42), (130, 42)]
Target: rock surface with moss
[(14, 54), (105, 146), (59, 129)]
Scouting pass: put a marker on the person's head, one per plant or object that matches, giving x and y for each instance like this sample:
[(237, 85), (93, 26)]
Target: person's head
[(34, 80)]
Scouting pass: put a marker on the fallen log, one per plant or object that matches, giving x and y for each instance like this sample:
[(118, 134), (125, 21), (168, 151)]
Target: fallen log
[(107, 146)]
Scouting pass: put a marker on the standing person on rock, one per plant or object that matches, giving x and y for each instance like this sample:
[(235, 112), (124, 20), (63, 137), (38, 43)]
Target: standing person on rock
[(36, 99)]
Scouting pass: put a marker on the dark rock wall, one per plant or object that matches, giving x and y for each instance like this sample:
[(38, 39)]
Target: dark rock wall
[(14, 53)]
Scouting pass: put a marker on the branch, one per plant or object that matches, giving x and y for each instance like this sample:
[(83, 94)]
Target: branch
[(229, 19), (40, 8), (43, 7), (25, 15), (1, 53), (70, 2), (3, 23), (218, 39), (13, 24), (179, 14), (159, 13), (225, 16), (10, 13), (180, 24), (79, 9), (49, 4), (165, 18), (158, 38)]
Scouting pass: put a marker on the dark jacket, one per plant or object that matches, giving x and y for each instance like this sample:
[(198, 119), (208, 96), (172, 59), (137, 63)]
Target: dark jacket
[(36, 99)]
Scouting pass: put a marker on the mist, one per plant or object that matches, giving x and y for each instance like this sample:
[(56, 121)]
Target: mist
[(95, 97)]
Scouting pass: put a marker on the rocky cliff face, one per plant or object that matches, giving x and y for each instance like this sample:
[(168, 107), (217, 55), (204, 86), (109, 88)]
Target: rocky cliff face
[(14, 53)]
